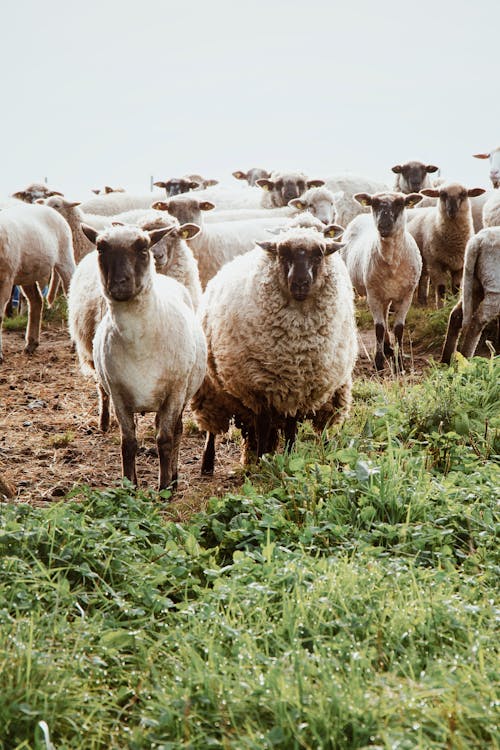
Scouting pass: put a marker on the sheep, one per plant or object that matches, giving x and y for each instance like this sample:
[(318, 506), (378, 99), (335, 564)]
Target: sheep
[(217, 243), (107, 189), (345, 187), (282, 187), (69, 210), (252, 175), (35, 242), (111, 204), (178, 185), (441, 233), (33, 192), (149, 350), (491, 210), (203, 182), (494, 157), (480, 295), (413, 176), (282, 343), (384, 264)]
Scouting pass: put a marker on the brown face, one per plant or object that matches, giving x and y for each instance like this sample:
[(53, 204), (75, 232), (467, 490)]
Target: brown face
[(413, 175), (287, 188), (452, 198), (123, 269), (299, 267), (386, 212)]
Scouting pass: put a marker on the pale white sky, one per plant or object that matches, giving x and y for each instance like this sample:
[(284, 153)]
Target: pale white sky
[(112, 91)]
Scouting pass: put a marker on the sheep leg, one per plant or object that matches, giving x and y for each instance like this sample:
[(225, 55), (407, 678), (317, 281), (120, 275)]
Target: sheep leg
[(379, 315), (5, 295), (290, 433), (168, 438), (423, 288), (103, 408), (266, 433), (452, 333), (438, 280), (456, 280), (35, 304), (208, 459), (128, 439), (487, 310), (400, 313)]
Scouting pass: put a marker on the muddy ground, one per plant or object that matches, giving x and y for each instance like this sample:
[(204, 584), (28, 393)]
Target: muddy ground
[(50, 441)]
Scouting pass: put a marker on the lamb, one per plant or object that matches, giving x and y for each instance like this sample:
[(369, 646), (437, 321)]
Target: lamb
[(149, 350), (494, 157), (35, 243), (345, 187), (384, 264), (282, 343), (491, 210), (69, 210), (217, 243), (441, 233), (480, 295), (252, 175)]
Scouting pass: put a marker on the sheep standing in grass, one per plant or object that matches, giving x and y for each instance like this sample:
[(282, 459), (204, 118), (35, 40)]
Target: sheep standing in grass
[(480, 294), (35, 243), (149, 350), (384, 264), (441, 233), (282, 342)]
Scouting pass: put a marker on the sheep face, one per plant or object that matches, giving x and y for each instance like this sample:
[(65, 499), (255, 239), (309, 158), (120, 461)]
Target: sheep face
[(300, 262), (453, 198), (319, 202), (60, 205), (186, 210), (286, 187), (252, 175), (413, 175), (494, 157), (388, 209), (178, 185), (33, 192)]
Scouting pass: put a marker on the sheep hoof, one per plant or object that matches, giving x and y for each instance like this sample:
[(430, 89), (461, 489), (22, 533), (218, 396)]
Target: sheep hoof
[(31, 347)]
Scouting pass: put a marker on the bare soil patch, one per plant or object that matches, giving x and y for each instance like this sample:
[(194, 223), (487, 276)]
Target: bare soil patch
[(50, 441)]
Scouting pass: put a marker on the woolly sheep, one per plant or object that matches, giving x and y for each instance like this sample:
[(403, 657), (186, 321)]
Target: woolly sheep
[(491, 210), (413, 176), (252, 175), (35, 243), (282, 343), (149, 350), (480, 295), (107, 189), (384, 264), (282, 187), (111, 204), (34, 191), (69, 210), (441, 233), (494, 158)]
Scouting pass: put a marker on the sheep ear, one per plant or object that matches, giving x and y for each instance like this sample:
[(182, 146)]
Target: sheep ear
[(430, 192), (474, 192), (21, 195), (431, 168), (412, 199), (297, 203), (56, 192), (397, 168), (315, 183), (160, 205), (481, 156), (333, 247), (155, 235), (108, 189), (334, 231), (89, 232), (189, 231), (117, 224), (207, 205), (73, 204), (211, 183), (96, 191), (240, 175), (161, 184), (269, 247), (364, 199), (265, 184)]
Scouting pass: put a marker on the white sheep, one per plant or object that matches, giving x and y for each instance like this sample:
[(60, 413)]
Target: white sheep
[(35, 191), (111, 204), (35, 244), (149, 350), (70, 211), (252, 175), (480, 294), (282, 343), (282, 187), (491, 210), (441, 233), (384, 264), (108, 189), (494, 159)]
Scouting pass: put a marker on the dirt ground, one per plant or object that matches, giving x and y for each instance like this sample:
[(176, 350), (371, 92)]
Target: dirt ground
[(50, 441)]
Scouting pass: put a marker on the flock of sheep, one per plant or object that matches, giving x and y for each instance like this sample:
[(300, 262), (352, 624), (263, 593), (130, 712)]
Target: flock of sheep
[(239, 300)]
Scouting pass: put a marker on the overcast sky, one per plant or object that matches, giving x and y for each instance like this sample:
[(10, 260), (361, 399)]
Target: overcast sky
[(113, 91)]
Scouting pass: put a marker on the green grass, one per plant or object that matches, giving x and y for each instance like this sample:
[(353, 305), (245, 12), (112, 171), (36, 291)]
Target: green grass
[(345, 598)]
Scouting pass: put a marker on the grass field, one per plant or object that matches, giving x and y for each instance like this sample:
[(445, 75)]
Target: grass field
[(346, 598)]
